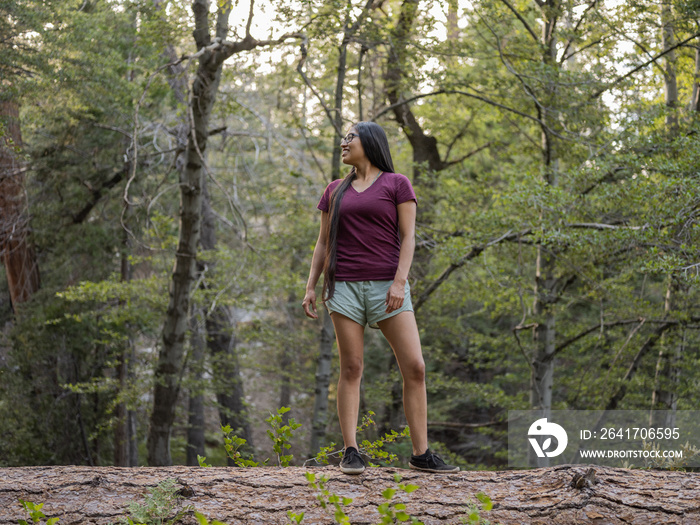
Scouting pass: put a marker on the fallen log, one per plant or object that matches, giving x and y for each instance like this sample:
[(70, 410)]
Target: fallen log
[(567, 494)]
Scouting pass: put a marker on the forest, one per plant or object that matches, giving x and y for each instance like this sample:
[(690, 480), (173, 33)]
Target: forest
[(160, 167)]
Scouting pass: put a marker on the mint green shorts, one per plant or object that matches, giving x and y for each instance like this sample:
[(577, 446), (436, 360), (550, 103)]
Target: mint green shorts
[(365, 301)]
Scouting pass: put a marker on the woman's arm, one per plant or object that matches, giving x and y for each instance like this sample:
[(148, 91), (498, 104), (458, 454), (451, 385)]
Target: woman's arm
[(309, 302), (407, 233)]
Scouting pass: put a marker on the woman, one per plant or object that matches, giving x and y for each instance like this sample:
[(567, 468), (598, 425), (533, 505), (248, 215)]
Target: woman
[(364, 250)]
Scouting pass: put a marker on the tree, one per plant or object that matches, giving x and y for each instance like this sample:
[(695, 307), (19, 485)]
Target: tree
[(211, 55)]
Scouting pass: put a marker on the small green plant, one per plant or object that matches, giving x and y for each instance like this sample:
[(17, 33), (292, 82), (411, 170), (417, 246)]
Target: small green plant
[(202, 461), (35, 513), (232, 444), (373, 449), (396, 512), (281, 435), (203, 520), (327, 500), (323, 455), (295, 518), (474, 515), (157, 506)]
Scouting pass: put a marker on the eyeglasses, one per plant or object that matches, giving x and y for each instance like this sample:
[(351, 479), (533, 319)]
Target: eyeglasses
[(347, 139)]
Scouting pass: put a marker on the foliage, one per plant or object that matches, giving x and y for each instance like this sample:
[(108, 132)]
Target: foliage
[(392, 512), (232, 444), (159, 506), (374, 449), (280, 435), (476, 509), (202, 520), (35, 513), (327, 500)]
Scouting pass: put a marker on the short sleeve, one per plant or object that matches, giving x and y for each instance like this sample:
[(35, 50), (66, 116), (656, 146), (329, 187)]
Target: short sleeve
[(404, 190), (324, 203)]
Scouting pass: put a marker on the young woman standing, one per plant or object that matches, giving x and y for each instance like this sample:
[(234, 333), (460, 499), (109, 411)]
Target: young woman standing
[(364, 250)]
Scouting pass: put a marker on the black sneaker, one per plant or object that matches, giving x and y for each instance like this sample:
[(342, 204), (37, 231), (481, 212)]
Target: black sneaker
[(352, 463), (430, 462)]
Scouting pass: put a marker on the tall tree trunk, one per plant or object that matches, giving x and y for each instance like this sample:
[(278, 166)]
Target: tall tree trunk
[(546, 294), (123, 438), (323, 379), (17, 255), (452, 20), (195, 406), (220, 340), (426, 157), (212, 56), (288, 350), (169, 368), (227, 374)]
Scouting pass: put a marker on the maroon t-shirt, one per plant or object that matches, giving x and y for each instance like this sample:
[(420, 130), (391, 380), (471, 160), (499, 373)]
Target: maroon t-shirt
[(368, 231)]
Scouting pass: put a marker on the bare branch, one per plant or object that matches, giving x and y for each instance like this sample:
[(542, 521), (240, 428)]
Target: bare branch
[(599, 226), (300, 70), (250, 19)]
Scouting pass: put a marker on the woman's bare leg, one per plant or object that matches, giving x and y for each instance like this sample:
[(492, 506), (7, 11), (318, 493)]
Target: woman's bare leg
[(351, 344), (402, 333)]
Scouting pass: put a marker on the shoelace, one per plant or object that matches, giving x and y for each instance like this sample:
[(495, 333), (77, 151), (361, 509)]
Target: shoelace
[(350, 453), (434, 459)]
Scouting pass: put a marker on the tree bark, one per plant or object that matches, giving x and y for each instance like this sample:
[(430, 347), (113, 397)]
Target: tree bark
[(227, 374), (195, 406), (323, 379), (18, 257), (100, 495), (426, 157), (221, 341)]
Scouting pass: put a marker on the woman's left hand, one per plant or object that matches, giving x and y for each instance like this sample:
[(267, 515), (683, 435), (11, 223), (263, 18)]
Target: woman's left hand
[(395, 296)]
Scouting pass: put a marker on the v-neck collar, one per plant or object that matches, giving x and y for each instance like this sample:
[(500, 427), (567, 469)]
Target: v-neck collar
[(381, 173)]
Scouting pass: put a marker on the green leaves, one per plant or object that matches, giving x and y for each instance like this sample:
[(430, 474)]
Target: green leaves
[(232, 444), (280, 435), (395, 512), (328, 499), (35, 513), (475, 511)]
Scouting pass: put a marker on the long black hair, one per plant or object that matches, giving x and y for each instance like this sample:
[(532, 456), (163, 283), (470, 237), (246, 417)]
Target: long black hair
[(376, 146)]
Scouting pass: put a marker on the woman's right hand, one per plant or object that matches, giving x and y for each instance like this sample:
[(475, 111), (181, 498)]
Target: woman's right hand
[(309, 304)]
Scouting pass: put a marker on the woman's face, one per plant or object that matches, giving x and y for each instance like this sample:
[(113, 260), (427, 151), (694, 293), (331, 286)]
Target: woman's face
[(352, 150)]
